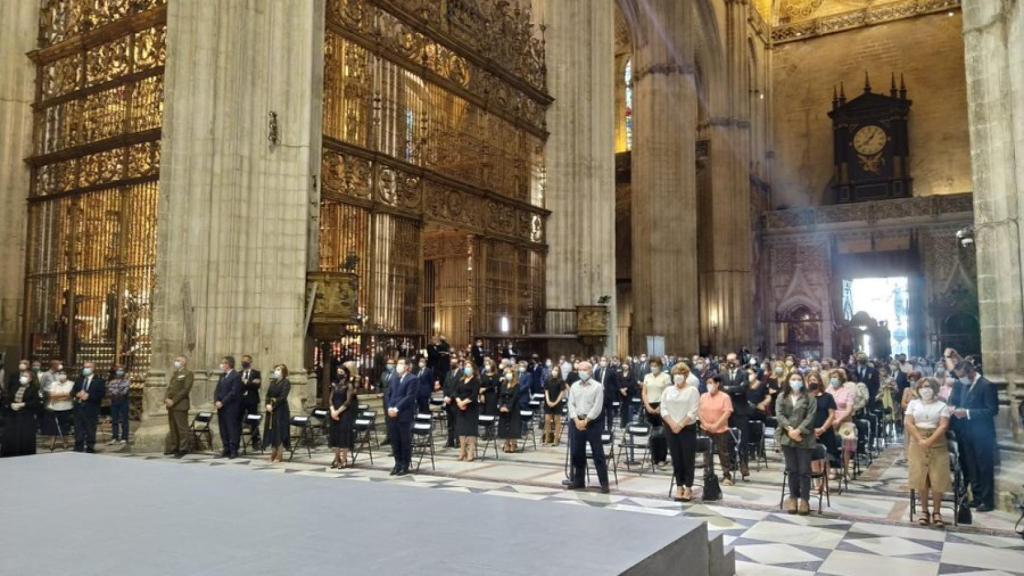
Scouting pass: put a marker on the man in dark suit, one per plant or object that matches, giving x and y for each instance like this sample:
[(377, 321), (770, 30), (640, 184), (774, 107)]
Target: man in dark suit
[(605, 375), (867, 374), (451, 385), (977, 404), (641, 368), (736, 384), (425, 375), (250, 396), (227, 398), (400, 402), (477, 353), (88, 392)]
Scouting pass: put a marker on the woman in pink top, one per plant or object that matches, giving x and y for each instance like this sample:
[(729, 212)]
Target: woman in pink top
[(843, 420)]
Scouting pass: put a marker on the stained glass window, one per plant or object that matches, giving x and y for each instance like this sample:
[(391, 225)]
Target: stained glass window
[(628, 77)]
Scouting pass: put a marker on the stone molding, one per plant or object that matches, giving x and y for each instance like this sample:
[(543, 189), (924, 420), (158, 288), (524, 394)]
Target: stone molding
[(870, 16), (800, 219)]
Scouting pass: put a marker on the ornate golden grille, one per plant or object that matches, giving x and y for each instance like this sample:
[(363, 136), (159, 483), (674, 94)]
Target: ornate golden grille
[(93, 202), (433, 114)]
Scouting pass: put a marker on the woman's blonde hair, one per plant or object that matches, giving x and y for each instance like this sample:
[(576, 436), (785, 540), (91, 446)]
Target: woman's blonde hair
[(680, 368)]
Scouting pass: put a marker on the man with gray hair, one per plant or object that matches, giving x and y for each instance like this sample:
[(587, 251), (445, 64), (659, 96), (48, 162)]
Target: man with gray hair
[(586, 402)]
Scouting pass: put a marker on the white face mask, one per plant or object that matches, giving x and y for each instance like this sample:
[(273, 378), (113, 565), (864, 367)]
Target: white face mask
[(584, 376), (679, 379), (656, 370), (177, 365), (277, 374), (834, 382), (400, 369), (796, 385), (926, 394), (24, 379), (604, 363)]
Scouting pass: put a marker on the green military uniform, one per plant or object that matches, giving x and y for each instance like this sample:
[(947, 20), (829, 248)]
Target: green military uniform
[(179, 437)]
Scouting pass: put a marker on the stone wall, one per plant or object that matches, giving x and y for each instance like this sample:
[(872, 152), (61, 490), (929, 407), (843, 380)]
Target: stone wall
[(928, 51)]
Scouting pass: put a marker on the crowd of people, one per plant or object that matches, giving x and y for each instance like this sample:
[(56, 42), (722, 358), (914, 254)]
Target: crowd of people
[(715, 405)]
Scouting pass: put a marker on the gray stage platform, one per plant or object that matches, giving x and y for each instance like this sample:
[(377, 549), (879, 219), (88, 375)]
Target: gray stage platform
[(82, 514)]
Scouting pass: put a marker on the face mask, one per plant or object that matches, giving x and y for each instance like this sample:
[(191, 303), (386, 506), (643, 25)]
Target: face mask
[(62, 377), (834, 382), (59, 367), (468, 371), (119, 373), (604, 363), (86, 371), (789, 363), (778, 370), (36, 368), (584, 376), (246, 365), (813, 386), (390, 368), (712, 388), (23, 379), (796, 385), (522, 369), (177, 365), (548, 363), (422, 366), (926, 394), (224, 367), (277, 374), (699, 367), (656, 370), (643, 359), (400, 369), (679, 379)]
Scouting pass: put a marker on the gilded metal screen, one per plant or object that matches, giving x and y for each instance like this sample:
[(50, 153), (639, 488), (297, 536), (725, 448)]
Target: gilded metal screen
[(95, 166), (433, 115)]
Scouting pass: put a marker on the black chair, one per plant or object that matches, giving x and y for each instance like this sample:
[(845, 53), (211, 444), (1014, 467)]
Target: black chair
[(638, 409), (608, 443), (637, 439), (487, 424), (318, 424), (438, 413), (529, 427), (200, 427), (756, 445), (366, 434), (820, 455), (423, 439), (303, 438), (250, 421)]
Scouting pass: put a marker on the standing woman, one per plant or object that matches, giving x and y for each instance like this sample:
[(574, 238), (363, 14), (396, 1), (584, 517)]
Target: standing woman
[(679, 406), (490, 381), (554, 393), (509, 422), (467, 411), (795, 411), (118, 389), (277, 428), (57, 418), (21, 404), (824, 416), (654, 385), (342, 411), (627, 391), (926, 422)]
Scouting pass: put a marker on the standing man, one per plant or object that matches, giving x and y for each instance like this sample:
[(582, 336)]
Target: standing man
[(976, 407), (426, 386), (642, 368), (227, 398), (586, 400), (400, 401), (736, 384), (451, 385), (477, 353), (88, 393), (605, 376), (176, 399), (868, 375), (250, 397)]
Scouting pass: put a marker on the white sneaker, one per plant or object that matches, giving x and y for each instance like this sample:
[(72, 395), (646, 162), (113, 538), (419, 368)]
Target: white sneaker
[(111, 442)]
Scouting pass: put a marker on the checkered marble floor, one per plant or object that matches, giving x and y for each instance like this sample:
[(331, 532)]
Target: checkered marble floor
[(864, 530)]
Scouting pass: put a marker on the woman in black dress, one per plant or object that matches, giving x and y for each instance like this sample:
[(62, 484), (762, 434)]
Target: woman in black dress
[(509, 424), (467, 412), (277, 428), (490, 381), (554, 392), (341, 435), (21, 405)]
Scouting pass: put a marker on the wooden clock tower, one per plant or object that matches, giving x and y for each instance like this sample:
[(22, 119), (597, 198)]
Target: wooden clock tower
[(870, 144)]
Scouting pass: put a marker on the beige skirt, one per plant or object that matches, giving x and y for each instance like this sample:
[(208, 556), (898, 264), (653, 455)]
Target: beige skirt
[(929, 468)]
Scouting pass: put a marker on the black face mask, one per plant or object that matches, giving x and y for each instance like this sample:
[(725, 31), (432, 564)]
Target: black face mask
[(246, 365)]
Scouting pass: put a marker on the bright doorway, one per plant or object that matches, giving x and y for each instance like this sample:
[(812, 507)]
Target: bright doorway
[(886, 300)]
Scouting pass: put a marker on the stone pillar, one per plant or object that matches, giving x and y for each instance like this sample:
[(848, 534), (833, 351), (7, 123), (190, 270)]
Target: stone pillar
[(664, 189), (232, 230), (580, 155), (994, 46), (19, 26), (726, 281)]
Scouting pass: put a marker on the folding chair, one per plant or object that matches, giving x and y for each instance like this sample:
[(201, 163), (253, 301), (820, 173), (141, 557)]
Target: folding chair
[(820, 454), (423, 439), (487, 424), (438, 414), (608, 443), (250, 420), (637, 439), (305, 436), (529, 428), (637, 410), (366, 434), (200, 427), (318, 424), (756, 445)]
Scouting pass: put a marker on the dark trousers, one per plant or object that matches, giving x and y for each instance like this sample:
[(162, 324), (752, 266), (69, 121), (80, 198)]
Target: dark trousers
[(683, 448), (720, 444), (86, 418), (609, 415), (450, 412), (979, 455), (230, 425), (119, 420), (798, 466), (659, 447), (742, 423), (401, 441), (578, 441), (625, 410)]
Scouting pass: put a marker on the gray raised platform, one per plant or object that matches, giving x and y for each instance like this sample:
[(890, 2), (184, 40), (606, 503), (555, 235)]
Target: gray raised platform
[(81, 514)]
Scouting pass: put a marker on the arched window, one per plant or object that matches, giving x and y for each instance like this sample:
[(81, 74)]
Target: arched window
[(628, 77)]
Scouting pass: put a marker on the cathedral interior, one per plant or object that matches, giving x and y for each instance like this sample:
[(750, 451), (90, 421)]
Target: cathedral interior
[(302, 180)]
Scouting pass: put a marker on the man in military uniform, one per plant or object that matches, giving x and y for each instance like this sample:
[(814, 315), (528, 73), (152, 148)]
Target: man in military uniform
[(179, 437)]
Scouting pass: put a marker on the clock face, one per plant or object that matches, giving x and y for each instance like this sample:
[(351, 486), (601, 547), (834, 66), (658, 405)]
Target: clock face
[(869, 140)]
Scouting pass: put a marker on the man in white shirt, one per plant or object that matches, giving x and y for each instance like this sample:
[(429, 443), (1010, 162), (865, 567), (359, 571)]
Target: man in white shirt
[(586, 402)]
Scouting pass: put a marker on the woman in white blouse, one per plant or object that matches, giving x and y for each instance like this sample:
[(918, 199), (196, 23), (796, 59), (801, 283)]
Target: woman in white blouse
[(926, 421), (57, 421), (654, 384), (679, 404)]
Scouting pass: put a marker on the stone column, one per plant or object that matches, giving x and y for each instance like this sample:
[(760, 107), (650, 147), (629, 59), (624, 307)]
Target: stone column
[(994, 46), (232, 230), (580, 155), (726, 282), (19, 26), (664, 189)]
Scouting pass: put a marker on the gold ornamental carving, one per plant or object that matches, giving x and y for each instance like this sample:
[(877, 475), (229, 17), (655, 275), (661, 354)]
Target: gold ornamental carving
[(336, 302), (591, 321)]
